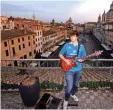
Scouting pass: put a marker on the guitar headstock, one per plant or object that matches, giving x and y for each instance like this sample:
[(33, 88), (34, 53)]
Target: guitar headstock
[(97, 53)]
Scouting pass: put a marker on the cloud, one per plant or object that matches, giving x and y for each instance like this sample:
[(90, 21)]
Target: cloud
[(79, 10), (89, 10)]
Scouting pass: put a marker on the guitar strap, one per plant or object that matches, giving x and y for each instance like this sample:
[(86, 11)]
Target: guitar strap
[(78, 48)]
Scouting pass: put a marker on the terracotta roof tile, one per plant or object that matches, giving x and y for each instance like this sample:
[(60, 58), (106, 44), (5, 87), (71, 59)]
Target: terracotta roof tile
[(8, 34)]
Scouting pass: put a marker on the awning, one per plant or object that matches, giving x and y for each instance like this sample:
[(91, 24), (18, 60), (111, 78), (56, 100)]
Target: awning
[(33, 64), (106, 47), (54, 48), (46, 54), (61, 43), (112, 54)]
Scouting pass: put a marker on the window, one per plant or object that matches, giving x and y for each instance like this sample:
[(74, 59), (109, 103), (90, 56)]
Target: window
[(18, 39), (22, 39), (36, 45), (21, 57), (12, 42), (25, 56), (10, 64), (17, 25), (33, 36), (40, 32), (4, 27), (36, 40), (13, 49), (7, 53), (23, 25), (19, 47), (5, 44), (23, 45), (29, 43), (30, 54), (28, 37)]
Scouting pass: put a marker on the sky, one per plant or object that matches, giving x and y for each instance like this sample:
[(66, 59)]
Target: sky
[(80, 11)]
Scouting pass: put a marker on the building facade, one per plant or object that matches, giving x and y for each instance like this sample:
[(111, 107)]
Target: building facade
[(17, 44), (52, 37), (107, 21), (79, 27)]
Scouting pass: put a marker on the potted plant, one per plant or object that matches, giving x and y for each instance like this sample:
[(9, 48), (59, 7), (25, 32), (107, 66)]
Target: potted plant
[(30, 91)]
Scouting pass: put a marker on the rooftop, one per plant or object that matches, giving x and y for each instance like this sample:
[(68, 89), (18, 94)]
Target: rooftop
[(8, 34), (48, 32), (53, 75), (98, 98), (90, 23)]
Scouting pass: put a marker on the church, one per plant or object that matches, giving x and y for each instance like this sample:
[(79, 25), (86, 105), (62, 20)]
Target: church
[(107, 21)]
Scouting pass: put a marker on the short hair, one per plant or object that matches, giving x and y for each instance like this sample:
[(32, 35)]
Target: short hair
[(74, 33)]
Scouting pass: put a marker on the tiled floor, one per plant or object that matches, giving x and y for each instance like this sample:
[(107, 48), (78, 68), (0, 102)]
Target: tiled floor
[(88, 99)]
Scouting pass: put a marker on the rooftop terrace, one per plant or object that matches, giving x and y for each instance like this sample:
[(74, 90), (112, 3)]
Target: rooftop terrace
[(95, 90)]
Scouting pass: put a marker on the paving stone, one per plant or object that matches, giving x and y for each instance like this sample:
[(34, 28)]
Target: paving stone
[(83, 97), (12, 100), (88, 101), (95, 93), (92, 97)]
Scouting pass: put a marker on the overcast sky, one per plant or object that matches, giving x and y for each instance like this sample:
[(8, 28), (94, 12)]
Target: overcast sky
[(79, 10)]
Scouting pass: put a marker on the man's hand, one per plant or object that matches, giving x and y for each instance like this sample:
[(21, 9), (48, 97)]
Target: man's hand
[(68, 62), (81, 60)]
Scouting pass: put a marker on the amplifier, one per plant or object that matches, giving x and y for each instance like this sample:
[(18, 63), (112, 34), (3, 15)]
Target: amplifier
[(49, 101)]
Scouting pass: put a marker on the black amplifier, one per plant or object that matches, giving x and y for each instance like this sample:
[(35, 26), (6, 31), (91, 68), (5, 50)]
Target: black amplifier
[(49, 102)]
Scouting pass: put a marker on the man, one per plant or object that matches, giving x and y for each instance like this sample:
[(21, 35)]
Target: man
[(72, 76)]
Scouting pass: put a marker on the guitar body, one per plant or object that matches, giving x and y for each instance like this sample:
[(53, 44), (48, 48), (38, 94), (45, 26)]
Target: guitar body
[(66, 67)]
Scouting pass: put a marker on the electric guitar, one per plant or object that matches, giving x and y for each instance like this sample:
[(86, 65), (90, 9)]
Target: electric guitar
[(73, 60)]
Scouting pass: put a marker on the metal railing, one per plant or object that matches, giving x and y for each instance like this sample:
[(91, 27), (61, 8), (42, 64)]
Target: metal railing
[(92, 63)]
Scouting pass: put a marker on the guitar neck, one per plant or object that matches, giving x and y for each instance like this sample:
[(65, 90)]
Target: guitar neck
[(90, 55)]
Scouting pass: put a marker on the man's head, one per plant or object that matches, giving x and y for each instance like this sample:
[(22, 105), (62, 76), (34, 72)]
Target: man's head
[(74, 36)]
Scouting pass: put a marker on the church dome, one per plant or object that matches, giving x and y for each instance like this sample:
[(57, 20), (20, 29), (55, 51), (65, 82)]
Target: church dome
[(110, 12), (70, 20)]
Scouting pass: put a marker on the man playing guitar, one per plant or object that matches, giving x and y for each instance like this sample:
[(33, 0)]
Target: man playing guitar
[(72, 76)]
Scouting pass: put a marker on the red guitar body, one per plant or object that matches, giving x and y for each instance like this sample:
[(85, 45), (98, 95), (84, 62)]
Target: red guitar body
[(66, 67)]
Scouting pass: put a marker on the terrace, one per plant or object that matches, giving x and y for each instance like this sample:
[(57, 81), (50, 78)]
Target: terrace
[(96, 85)]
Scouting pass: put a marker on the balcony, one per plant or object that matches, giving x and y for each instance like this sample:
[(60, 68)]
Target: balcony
[(95, 86)]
